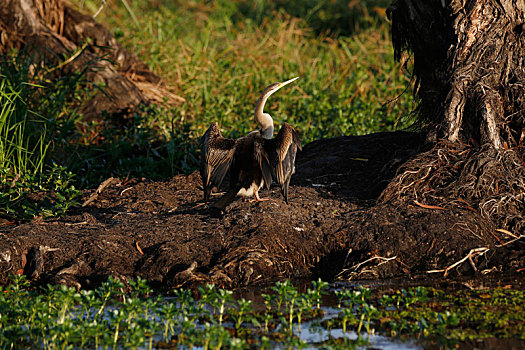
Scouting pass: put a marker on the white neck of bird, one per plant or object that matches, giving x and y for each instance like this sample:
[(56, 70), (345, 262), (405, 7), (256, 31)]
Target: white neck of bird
[(264, 119)]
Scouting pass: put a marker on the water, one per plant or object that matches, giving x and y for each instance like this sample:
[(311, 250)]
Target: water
[(315, 335), (201, 321)]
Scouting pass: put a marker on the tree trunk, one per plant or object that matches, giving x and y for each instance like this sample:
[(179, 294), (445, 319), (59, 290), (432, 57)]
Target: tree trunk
[(55, 29), (469, 63)]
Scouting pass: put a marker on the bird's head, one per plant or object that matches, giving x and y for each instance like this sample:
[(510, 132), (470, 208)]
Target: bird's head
[(264, 119), (270, 89)]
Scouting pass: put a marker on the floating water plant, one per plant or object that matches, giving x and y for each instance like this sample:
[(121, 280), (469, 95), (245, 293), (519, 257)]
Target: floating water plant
[(62, 317)]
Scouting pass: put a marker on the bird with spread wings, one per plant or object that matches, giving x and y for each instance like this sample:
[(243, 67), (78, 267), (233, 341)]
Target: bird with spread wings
[(252, 161)]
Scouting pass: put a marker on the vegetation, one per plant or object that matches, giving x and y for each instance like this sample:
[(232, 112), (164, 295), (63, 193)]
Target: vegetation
[(61, 317), (217, 55), (35, 120), (220, 55)]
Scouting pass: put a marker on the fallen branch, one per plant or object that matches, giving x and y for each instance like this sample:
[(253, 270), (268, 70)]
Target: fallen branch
[(473, 253)]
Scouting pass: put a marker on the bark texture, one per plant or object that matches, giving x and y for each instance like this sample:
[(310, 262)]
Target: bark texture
[(56, 30), (469, 64)]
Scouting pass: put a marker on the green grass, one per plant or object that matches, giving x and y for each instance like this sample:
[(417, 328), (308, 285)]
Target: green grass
[(220, 55), (137, 147), (34, 122)]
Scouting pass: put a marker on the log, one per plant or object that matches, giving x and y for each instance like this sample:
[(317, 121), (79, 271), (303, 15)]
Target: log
[(54, 29)]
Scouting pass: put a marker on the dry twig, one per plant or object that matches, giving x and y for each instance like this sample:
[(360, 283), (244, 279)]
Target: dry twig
[(356, 266), (473, 253), (100, 8), (100, 188)]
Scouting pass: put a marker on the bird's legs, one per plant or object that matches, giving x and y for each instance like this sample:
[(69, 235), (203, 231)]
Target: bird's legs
[(258, 199)]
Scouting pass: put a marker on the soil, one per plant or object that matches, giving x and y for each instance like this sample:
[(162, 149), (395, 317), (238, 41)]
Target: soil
[(333, 228)]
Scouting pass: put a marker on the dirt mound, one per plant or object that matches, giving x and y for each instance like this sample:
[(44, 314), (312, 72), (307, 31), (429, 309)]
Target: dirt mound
[(334, 227)]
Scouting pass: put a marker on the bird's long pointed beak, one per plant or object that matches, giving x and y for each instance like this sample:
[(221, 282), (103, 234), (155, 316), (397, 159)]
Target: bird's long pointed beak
[(287, 82)]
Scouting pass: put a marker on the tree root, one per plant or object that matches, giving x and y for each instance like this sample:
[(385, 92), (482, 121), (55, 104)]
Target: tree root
[(452, 175), (473, 253)]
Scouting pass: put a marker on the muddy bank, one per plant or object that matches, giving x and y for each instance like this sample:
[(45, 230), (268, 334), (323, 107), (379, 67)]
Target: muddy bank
[(332, 228)]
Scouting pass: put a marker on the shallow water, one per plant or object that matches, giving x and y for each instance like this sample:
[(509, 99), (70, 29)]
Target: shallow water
[(468, 297), (319, 334), (379, 341), (437, 281)]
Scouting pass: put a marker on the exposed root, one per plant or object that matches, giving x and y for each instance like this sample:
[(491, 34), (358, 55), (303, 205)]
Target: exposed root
[(473, 253), (426, 206), (355, 271), (198, 205), (468, 67), (511, 241), (451, 175)]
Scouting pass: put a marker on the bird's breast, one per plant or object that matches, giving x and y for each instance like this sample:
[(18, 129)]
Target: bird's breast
[(250, 191)]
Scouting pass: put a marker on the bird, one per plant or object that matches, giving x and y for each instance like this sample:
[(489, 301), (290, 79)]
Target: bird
[(252, 161)]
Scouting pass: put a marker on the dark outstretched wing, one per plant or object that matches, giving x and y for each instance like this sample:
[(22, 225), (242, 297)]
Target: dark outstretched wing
[(278, 159), (216, 156)]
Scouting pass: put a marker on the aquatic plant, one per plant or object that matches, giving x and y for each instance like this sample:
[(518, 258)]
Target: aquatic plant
[(61, 317)]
